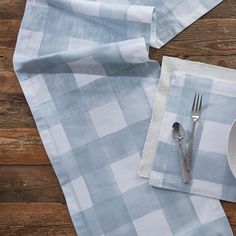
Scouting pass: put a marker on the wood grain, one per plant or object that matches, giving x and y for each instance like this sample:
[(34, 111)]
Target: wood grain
[(31, 200), (35, 219)]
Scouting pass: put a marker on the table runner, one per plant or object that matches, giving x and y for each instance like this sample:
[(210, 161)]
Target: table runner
[(92, 103), (211, 175)]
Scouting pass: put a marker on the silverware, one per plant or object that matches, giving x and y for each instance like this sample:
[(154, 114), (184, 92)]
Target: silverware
[(196, 112), (178, 135)]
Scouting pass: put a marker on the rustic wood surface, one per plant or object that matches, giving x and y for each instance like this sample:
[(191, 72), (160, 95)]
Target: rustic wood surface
[(31, 201)]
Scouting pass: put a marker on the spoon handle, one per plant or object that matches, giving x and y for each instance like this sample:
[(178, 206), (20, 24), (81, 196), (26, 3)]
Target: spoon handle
[(184, 172)]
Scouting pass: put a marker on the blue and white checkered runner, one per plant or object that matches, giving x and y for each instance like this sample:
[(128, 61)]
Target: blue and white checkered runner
[(85, 72)]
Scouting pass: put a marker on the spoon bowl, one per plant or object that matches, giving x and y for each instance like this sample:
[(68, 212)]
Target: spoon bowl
[(178, 135), (178, 132)]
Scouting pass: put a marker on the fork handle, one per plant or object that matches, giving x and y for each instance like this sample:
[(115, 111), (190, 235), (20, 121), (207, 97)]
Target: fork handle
[(184, 172), (189, 159)]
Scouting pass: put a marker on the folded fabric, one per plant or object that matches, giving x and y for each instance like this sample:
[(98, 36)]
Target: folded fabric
[(169, 66), (91, 96), (211, 175)]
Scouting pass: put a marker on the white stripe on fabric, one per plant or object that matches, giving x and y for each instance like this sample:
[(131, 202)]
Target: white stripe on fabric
[(86, 7), (59, 138), (125, 172), (157, 179), (153, 224), (140, 14), (219, 87), (134, 51), (30, 43), (36, 90), (210, 141), (201, 187), (81, 190), (182, 12), (207, 210), (71, 201)]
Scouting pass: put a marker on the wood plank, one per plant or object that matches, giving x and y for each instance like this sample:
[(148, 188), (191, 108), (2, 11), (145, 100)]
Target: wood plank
[(9, 83), (29, 184), (13, 9), (205, 38), (35, 219), (230, 210), (45, 219), (226, 9), (6, 56), (21, 147), (9, 29), (15, 112)]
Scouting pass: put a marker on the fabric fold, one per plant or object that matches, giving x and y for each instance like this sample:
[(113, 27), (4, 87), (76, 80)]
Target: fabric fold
[(130, 51), (210, 176), (158, 22), (127, 12)]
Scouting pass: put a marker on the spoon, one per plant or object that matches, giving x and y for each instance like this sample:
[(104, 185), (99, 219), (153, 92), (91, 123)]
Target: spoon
[(178, 135)]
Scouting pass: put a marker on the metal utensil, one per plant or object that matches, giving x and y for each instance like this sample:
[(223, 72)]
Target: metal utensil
[(178, 135), (196, 112)]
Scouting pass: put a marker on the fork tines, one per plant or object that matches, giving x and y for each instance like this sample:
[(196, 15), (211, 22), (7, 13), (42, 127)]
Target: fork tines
[(197, 102)]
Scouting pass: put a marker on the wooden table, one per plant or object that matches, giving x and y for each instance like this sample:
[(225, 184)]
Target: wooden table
[(31, 200)]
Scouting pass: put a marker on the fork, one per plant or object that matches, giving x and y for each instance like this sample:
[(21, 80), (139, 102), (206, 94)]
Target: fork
[(195, 114)]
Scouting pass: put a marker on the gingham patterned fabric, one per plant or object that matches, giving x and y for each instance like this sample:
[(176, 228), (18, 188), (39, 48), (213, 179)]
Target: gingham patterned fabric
[(108, 21), (211, 175), (92, 103), (170, 65)]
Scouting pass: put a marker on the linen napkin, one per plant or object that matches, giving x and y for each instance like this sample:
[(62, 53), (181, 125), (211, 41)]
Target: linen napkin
[(90, 86), (211, 175), (169, 66)]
